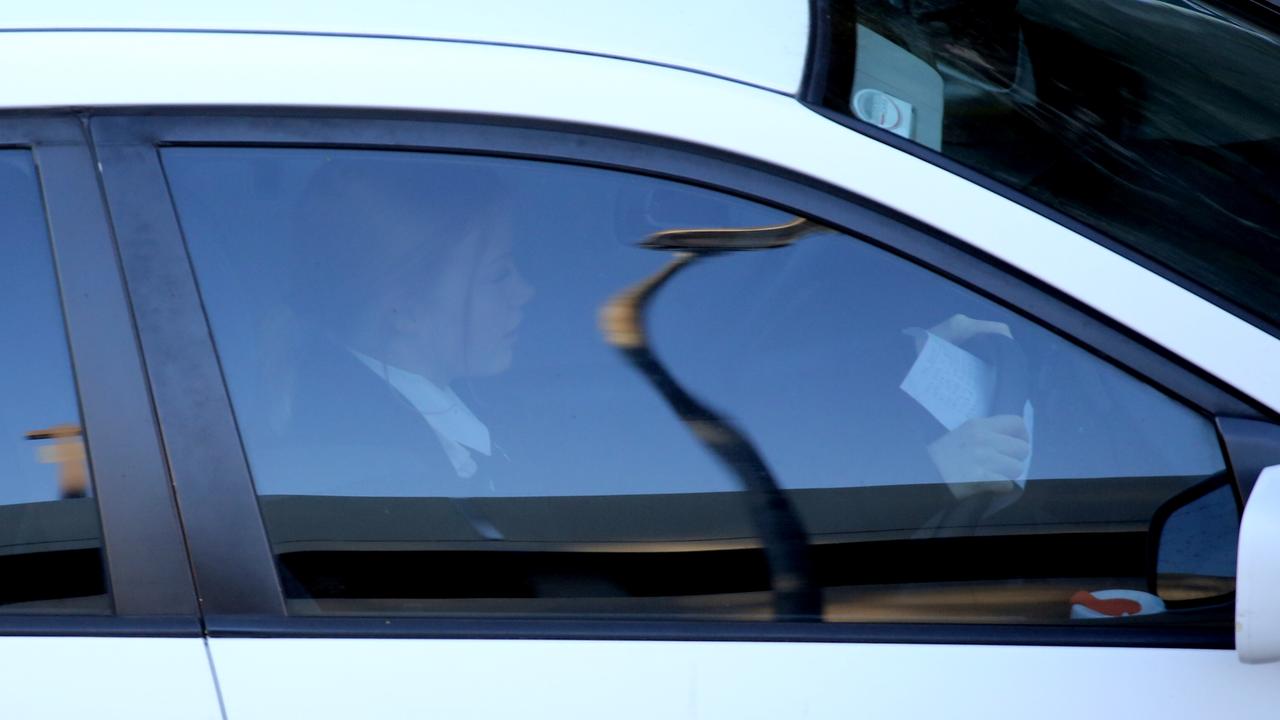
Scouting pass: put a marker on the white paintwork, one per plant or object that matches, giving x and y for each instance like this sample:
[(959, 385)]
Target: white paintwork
[(320, 679), (88, 69), (1258, 573), (125, 678), (761, 42)]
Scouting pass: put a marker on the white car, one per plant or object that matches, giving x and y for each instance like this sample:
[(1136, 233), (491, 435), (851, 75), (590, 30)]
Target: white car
[(682, 360)]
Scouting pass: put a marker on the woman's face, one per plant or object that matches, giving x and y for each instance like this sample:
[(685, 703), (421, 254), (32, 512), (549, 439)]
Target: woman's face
[(462, 321), (496, 298)]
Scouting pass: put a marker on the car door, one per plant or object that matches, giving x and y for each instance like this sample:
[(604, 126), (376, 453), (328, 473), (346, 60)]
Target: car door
[(480, 418), (97, 611)]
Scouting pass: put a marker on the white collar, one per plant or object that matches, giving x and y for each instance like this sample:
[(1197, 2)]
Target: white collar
[(455, 425)]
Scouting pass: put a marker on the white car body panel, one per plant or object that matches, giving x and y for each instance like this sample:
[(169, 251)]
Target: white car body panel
[(317, 679), (760, 42), (121, 69), (1257, 622), (125, 678)]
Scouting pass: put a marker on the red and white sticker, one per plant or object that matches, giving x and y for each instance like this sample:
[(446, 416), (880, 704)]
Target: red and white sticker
[(1113, 604)]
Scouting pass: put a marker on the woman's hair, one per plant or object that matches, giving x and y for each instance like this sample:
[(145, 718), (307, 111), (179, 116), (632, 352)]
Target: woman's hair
[(368, 223), (371, 223)]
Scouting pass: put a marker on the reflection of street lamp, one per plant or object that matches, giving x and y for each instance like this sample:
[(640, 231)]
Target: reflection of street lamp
[(622, 319), (68, 452)]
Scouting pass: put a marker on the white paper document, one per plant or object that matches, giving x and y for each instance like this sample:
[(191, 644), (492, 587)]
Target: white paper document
[(953, 384), (956, 386)]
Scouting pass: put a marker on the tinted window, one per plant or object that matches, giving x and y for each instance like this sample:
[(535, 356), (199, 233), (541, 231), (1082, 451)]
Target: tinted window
[(50, 538), (1190, 565), (1156, 122), (473, 385)]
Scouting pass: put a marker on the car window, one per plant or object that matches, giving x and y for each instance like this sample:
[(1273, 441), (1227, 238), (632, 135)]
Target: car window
[(51, 554), (1156, 122), (488, 386)]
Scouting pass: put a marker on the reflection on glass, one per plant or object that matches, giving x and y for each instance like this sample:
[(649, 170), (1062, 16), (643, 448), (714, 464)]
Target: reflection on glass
[(50, 538), (67, 453), (774, 519), (1193, 564)]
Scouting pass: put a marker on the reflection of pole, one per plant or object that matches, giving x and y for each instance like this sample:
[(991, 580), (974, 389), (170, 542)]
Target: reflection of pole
[(67, 451), (623, 322)]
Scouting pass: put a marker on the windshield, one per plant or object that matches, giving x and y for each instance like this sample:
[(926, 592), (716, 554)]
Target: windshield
[(1156, 123)]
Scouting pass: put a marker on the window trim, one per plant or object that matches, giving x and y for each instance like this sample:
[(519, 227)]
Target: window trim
[(231, 555), (146, 568), (1100, 635), (148, 626)]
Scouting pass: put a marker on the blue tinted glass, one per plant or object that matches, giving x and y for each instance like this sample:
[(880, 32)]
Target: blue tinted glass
[(50, 539), (555, 389), (1190, 556)]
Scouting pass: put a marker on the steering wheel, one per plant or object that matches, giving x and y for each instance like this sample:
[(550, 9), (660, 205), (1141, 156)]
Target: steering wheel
[(1009, 398)]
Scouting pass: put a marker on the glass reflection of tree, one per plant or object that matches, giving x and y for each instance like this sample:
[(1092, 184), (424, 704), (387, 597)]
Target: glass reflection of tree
[(624, 324)]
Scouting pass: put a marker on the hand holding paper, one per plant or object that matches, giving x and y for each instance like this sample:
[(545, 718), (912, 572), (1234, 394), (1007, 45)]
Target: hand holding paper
[(982, 455), (979, 453)]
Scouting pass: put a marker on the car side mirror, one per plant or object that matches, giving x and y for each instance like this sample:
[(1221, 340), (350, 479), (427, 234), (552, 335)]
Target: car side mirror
[(1194, 546), (1258, 573)]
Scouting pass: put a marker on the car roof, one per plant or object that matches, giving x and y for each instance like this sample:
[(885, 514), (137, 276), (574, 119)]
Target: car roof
[(758, 42)]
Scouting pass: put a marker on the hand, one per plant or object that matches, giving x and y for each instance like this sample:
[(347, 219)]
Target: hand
[(982, 455)]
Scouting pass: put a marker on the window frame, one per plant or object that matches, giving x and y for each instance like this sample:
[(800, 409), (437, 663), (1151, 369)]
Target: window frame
[(145, 562), (230, 553)]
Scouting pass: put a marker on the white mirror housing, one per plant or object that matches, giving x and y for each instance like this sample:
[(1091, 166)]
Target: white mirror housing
[(1258, 573)]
